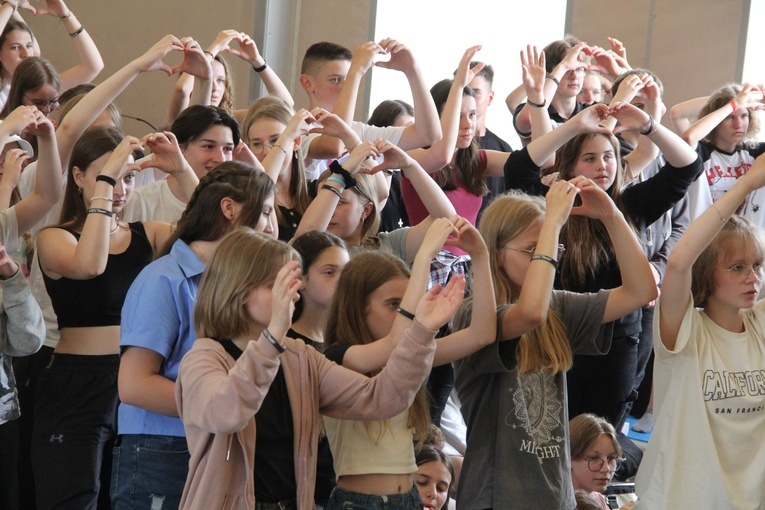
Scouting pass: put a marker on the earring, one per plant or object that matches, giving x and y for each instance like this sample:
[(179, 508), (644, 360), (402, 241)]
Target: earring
[(79, 191)]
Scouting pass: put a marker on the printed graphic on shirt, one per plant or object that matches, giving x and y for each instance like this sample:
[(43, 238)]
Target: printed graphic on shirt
[(722, 178), (537, 409), (734, 394)]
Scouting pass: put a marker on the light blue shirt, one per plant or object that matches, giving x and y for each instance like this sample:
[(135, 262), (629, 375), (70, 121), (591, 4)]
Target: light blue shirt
[(158, 315)]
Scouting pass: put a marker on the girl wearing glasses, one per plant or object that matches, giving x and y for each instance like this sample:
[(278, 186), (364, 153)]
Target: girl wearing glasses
[(513, 391), (585, 148), (710, 360), (17, 43), (595, 455)]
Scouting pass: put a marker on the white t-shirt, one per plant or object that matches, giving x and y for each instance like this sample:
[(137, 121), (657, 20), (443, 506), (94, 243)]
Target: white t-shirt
[(153, 202), (707, 449), (365, 132), (5, 92)]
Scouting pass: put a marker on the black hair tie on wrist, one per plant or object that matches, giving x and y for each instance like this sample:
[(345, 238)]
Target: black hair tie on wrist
[(336, 168), (408, 315), (105, 178)]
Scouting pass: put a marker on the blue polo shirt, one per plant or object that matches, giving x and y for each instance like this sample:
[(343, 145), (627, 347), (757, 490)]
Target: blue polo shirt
[(158, 315)]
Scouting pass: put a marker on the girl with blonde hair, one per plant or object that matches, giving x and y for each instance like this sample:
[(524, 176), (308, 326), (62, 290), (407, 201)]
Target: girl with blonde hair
[(513, 392)]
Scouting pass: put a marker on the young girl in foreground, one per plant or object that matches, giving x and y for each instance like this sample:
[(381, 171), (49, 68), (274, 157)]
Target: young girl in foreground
[(376, 462), (250, 397), (710, 357), (513, 391), (595, 455)]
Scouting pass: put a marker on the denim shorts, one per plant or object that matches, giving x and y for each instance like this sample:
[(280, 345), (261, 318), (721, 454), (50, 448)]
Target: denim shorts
[(343, 500), (149, 470)]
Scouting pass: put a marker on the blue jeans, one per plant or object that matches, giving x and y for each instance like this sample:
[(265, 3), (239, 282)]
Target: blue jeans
[(343, 500), (149, 471)]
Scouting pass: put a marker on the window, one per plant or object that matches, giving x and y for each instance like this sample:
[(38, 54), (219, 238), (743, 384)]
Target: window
[(440, 31)]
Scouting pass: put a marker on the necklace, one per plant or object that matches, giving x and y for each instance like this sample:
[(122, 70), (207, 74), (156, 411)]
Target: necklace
[(115, 229)]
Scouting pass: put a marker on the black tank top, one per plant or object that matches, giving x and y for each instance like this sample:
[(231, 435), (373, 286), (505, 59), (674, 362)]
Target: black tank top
[(98, 301)]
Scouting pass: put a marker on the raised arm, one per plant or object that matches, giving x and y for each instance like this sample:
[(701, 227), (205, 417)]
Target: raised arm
[(166, 155), (329, 194), (676, 289), (248, 51), (432, 196), (426, 129), (297, 127), (91, 106), (570, 62), (638, 286), (683, 113), (336, 134), (90, 62), (60, 254), (515, 98), (749, 97), (438, 155), (47, 189), (195, 83), (482, 330), (371, 357), (588, 120), (362, 61), (533, 304), (675, 150)]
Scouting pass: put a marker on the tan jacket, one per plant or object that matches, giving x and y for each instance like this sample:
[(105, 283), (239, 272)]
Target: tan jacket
[(218, 398)]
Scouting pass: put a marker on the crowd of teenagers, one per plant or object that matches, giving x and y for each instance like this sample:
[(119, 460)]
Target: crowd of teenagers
[(275, 309)]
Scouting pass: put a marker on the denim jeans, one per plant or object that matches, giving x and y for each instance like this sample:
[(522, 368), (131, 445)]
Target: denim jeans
[(149, 472), (343, 500)]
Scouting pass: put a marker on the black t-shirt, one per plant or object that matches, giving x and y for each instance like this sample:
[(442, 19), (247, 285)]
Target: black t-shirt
[(496, 185), (274, 442)]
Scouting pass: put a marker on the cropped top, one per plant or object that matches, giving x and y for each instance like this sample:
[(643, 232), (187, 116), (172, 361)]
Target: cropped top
[(98, 301)]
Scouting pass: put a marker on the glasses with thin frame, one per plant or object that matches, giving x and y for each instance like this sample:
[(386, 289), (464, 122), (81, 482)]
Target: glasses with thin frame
[(257, 147), (41, 104), (595, 464), (742, 271), (530, 251)]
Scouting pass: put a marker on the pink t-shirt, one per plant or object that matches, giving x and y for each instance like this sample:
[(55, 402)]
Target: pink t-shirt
[(465, 203)]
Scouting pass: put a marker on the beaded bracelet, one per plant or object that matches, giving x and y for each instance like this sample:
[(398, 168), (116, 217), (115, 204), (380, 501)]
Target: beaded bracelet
[(98, 210), (279, 347), (539, 256)]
